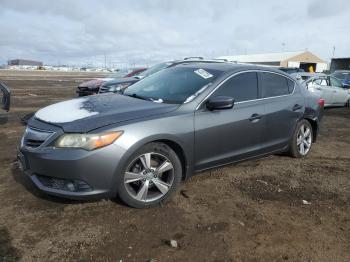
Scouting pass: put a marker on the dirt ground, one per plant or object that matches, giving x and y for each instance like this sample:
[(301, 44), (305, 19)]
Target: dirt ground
[(252, 211)]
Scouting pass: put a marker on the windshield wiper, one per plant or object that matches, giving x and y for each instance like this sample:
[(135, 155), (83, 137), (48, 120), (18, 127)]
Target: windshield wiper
[(139, 97)]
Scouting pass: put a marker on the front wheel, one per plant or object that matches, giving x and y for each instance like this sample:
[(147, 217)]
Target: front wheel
[(302, 140), (151, 175)]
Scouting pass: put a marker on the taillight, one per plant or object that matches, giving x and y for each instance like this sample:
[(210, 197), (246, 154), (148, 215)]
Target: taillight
[(320, 102)]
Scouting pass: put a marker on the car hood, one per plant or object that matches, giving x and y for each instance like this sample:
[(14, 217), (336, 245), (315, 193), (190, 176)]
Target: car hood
[(122, 81), (88, 113)]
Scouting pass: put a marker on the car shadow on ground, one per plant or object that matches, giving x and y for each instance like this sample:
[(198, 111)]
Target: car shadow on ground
[(28, 185), (7, 251)]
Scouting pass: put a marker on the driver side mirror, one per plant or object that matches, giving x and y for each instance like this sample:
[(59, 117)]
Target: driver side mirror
[(220, 103), (6, 95), (298, 77)]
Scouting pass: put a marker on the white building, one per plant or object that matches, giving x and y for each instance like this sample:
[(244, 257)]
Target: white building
[(301, 59)]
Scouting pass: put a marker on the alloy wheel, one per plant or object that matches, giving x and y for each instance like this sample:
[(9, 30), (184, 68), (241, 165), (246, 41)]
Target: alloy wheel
[(304, 140), (149, 177)]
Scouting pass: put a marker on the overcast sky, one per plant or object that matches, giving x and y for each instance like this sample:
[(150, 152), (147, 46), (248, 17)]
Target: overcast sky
[(147, 31)]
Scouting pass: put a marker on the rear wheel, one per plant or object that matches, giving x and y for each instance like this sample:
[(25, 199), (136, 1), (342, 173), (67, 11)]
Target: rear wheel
[(302, 140), (151, 175)]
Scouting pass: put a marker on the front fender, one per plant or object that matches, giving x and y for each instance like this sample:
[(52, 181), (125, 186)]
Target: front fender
[(186, 150)]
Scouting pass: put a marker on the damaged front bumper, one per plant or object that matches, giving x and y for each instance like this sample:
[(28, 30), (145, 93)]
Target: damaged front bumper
[(71, 173)]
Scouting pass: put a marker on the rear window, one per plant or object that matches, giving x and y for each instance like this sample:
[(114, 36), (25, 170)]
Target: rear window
[(275, 85)]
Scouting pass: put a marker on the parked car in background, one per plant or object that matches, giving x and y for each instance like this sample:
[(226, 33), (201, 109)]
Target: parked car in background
[(343, 76), (330, 89), (303, 76), (6, 97), (118, 85), (141, 144), (291, 70), (92, 87), (136, 72)]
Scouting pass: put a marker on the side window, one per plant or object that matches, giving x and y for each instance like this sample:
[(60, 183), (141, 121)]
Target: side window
[(242, 87), (335, 82), (324, 82), (291, 85), (274, 85), (321, 81), (317, 81)]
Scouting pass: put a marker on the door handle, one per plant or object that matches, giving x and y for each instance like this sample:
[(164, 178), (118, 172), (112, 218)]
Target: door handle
[(255, 117), (297, 107)]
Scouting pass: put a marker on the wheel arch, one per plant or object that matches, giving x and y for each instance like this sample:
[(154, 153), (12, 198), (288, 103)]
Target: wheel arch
[(174, 143), (179, 152), (315, 128)]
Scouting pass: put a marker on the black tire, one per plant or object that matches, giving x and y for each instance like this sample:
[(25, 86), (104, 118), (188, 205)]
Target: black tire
[(347, 104), (294, 149), (176, 173)]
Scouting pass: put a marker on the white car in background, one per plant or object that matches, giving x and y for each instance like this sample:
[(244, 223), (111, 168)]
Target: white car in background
[(303, 76), (330, 89)]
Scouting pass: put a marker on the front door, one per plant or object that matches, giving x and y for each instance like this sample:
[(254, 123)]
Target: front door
[(223, 136)]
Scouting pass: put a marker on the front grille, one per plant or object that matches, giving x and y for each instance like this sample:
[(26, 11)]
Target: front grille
[(64, 184), (87, 91), (34, 143), (34, 138)]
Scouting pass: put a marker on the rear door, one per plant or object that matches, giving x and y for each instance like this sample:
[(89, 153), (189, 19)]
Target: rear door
[(284, 106), (5, 97), (223, 136)]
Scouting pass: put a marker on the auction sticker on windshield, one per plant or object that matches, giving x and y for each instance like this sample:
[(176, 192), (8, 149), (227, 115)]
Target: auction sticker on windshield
[(203, 73)]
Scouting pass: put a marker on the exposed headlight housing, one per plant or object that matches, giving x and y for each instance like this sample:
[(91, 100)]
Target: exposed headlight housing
[(87, 141)]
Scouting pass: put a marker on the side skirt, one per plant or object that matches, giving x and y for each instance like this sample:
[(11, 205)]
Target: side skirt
[(243, 160)]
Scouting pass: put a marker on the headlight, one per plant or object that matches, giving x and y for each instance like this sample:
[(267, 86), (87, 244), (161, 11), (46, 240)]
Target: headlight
[(87, 141), (118, 87)]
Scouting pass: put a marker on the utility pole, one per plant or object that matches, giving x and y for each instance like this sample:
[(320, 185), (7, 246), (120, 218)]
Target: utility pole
[(333, 51)]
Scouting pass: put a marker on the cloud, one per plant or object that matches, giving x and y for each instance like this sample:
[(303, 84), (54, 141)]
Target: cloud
[(327, 8), (149, 31)]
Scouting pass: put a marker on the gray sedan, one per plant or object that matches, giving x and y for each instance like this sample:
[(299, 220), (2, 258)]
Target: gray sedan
[(141, 144)]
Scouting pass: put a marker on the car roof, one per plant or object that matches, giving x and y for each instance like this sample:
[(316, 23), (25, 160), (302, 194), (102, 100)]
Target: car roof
[(309, 74), (341, 71), (227, 66)]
